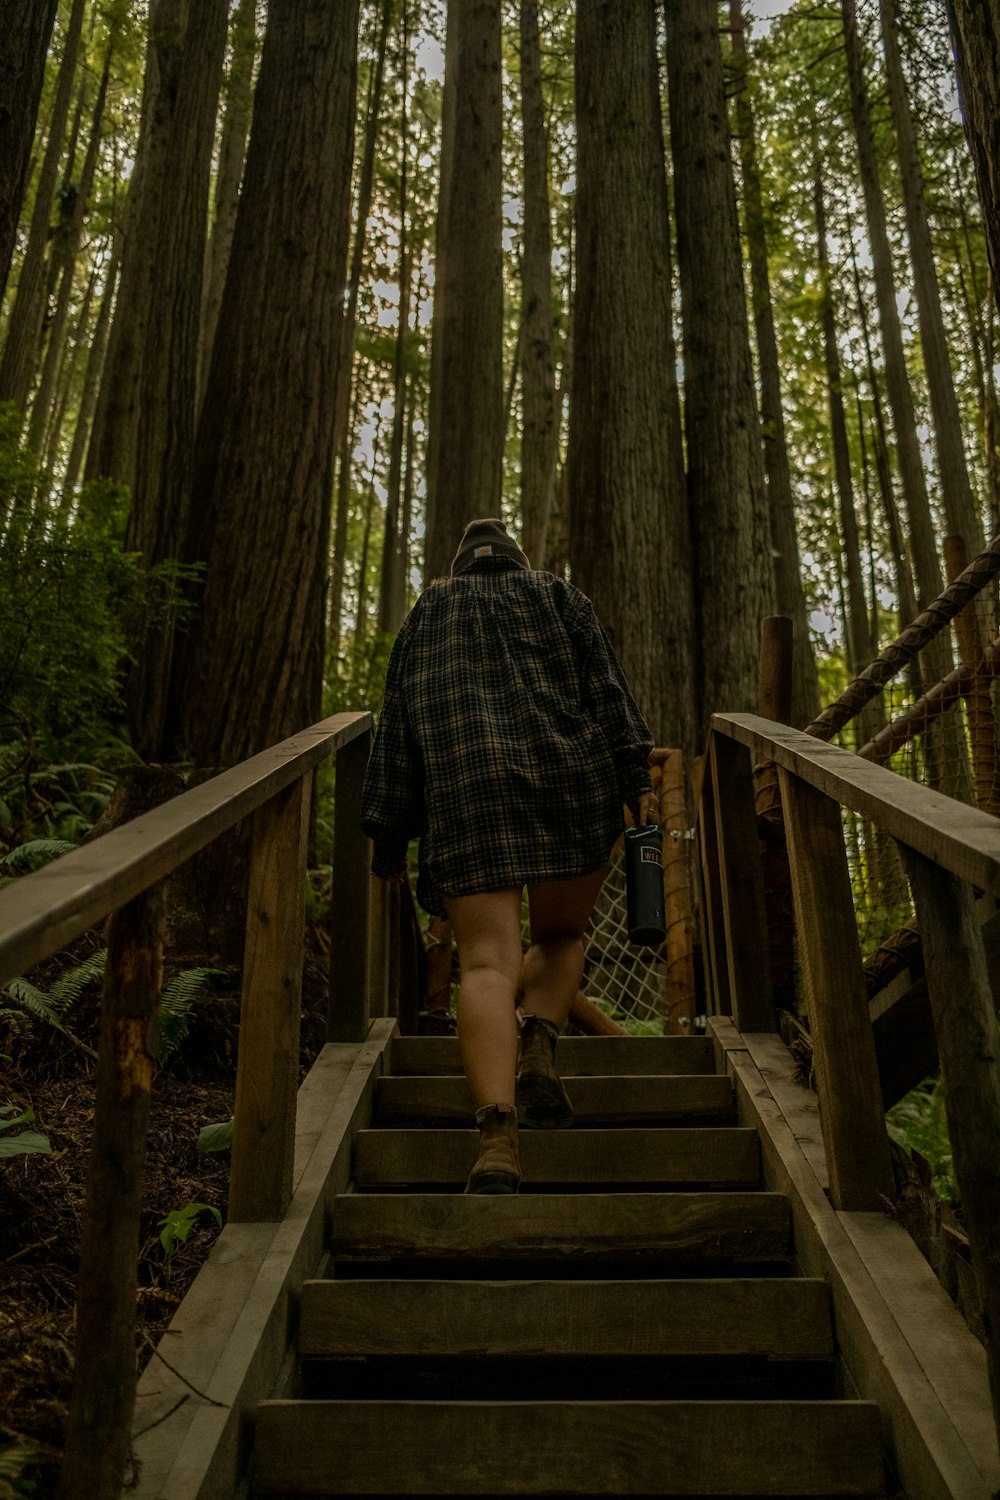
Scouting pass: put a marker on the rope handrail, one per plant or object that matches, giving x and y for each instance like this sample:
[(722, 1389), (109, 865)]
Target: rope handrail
[(959, 838), (44, 911)]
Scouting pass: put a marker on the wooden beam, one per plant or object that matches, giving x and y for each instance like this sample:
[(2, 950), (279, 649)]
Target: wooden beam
[(741, 886), (260, 1182), (680, 996), (966, 1027), (962, 839), (720, 1001), (42, 912), (350, 974), (857, 1147)]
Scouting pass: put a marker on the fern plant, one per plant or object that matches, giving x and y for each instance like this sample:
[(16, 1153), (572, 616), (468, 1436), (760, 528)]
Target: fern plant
[(52, 1006), (36, 852), (919, 1122), (179, 995)]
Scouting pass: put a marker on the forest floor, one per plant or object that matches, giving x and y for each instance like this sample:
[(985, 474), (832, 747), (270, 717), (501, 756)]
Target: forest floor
[(42, 1196)]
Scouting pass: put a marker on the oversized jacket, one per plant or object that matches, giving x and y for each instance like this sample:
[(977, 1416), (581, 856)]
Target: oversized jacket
[(508, 739)]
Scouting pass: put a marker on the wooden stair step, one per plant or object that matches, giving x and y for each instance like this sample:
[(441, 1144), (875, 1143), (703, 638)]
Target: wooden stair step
[(777, 1318), (612, 1101), (581, 1055), (444, 1158), (786, 1448), (646, 1233)]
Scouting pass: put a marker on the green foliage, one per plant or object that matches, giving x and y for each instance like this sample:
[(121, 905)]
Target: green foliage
[(919, 1123), (28, 1142), (178, 996), (177, 1225), (35, 853), (51, 1007), (217, 1137), (66, 591), (15, 1461)]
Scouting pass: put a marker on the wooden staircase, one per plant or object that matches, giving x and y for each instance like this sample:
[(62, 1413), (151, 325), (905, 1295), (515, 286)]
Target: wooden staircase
[(631, 1323)]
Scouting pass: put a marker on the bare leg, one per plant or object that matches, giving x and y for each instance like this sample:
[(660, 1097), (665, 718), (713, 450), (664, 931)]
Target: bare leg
[(553, 965), (487, 929)]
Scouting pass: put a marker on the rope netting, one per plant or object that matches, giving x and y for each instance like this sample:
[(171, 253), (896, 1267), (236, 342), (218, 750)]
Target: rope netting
[(942, 734), (629, 984)]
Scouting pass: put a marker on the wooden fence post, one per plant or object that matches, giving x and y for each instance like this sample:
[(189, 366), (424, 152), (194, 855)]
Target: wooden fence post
[(98, 1434), (260, 1180), (850, 1097), (680, 995), (349, 1013), (742, 885), (713, 929), (966, 1028)]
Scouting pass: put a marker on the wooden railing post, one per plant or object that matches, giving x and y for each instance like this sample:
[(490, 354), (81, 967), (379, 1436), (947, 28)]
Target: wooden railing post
[(350, 1011), (260, 1183), (850, 1097), (966, 1027), (742, 886), (713, 928), (680, 995)]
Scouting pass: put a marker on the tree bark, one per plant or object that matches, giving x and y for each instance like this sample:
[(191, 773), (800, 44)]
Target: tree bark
[(789, 595), (466, 434), (734, 582), (956, 490), (27, 29), (251, 668), (539, 415), (975, 30), (17, 367), (232, 152)]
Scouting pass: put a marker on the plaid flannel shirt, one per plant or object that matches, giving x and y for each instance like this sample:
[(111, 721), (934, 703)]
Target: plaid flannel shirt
[(508, 739)]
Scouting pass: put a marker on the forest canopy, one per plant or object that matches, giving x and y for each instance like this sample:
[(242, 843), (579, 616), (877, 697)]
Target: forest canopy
[(698, 298)]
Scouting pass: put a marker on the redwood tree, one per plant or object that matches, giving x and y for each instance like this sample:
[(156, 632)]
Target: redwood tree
[(629, 539), (27, 27), (733, 588), (466, 426), (975, 27), (251, 667)]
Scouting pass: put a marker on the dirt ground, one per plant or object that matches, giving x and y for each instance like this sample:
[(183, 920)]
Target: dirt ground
[(41, 1197)]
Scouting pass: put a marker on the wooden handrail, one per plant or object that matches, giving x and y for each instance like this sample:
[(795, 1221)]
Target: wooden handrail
[(44, 911), (960, 838)]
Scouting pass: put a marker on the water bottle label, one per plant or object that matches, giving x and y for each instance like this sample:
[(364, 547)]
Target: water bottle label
[(651, 856)]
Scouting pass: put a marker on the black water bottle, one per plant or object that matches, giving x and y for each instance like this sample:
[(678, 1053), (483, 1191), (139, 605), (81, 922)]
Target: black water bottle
[(647, 926)]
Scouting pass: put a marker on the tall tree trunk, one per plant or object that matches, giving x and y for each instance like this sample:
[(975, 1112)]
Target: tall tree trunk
[(789, 594), (392, 589), (734, 582), (956, 491), (465, 444), (340, 524), (27, 27), (975, 30), (251, 670), (17, 367), (629, 506), (69, 245), (232, 151), (91, 380), (926, 564), (539, 418)]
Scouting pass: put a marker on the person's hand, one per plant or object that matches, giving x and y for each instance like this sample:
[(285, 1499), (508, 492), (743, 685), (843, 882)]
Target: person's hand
[(645, 808), (398, 877)]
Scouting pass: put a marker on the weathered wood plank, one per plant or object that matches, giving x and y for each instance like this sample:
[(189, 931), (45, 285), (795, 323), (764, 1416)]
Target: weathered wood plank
[(937, 1452), (851, 1113), (46, 910), (655, 1228), (518, 1448), (741, 886), (352, 976), (771, 1317), (576, 1056), (446, 1157), (615, 1101), (962, 839), (714, 927), (966, 1028), (260, 1182)]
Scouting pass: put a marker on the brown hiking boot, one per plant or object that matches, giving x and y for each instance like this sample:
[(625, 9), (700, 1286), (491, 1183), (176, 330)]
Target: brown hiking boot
[(498, 1169), (541, 1098)]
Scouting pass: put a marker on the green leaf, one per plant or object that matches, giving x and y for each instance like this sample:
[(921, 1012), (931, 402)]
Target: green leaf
[(177, 1225), (217, 1137), (36, 852), (28, 1143)]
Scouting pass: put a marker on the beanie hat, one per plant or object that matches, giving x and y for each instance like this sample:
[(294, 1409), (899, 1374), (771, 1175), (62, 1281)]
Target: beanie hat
[(486, 538)]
